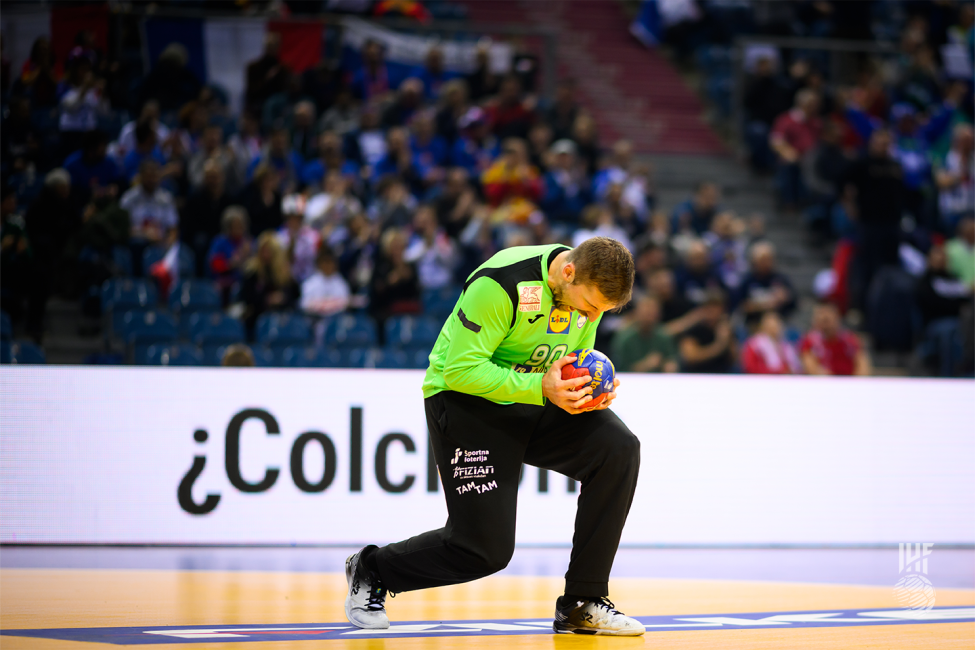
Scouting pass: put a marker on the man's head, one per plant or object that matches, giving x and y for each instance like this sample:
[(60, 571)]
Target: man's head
[(764, 66), (233, 222), (434, 60), (723, 224), (712, 309), (423, 126), (771, 325), (937, 260), (213, 177), (272, 44), (510, 91), (278, 141), (325, 261), (304, 115), (564, 154), (662, 284), (145, 137), (826, 319), (966, 230), (329, 143), (647, 313), (58, 181), (597, 276), (514, 152), (397, 139), (457, 181), (696, 257), (879, 145), (623, 153), (411, 92), (706, 196), (372, 52), (149, 175), (763, 258), (425, 220), (807, 101), (212, 138), (962, 139)]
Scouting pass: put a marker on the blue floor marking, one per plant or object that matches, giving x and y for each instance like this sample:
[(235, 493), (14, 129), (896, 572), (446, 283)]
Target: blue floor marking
[(322, 631)]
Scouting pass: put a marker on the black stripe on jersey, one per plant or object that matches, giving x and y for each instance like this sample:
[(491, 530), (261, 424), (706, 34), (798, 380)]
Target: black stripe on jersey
[(468, 323), (508, 277)]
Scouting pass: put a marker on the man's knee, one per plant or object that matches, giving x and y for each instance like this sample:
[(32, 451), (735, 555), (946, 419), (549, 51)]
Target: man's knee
[(623, 447), (489, 555)]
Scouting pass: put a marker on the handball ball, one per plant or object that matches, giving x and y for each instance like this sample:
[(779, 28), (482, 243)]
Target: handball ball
[(599, 368)]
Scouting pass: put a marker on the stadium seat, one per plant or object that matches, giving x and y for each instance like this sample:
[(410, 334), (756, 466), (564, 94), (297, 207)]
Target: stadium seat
[(148, 327), (402, 331), (265, 357), (357, 357), (440, 302), (310, 357), (187, 260), (421, 359), (24, 352), (281, 330), (214, 329), (122, 258), (350, 330), (191, 296), (127, 294), (6, 327), (390, 359), (6, 355), (170, 355)]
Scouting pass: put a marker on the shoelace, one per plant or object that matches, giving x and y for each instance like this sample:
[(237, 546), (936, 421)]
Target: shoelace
[(605, 603), (377, 597)]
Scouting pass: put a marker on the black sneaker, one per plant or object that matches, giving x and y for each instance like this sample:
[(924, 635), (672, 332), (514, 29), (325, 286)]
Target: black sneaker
[(365, 604), (593, 616)]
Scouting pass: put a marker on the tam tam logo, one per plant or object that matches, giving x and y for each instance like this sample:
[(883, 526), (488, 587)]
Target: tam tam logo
[(323, 441)]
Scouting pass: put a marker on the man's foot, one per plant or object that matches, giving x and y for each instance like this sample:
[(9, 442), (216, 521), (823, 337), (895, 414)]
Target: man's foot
[(365, 605), (593, 616)]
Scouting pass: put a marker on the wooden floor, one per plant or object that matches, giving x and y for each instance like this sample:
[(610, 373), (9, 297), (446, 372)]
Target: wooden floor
[(44, 599)]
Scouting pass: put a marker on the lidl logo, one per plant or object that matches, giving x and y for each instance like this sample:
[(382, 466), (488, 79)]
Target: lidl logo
[(558, 321)]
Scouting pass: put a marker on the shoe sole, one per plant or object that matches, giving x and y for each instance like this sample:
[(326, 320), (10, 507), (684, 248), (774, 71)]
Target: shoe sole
[(592, 631), (349, 570)]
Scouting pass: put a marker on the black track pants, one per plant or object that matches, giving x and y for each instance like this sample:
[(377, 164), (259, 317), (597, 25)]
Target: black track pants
[(480, 447)]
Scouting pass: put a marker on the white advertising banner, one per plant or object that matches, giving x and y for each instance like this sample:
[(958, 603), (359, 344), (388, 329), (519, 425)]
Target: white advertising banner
[(171, 455)]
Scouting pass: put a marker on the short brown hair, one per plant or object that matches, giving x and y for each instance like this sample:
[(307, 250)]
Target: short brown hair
[(237, 356), (606, 264)]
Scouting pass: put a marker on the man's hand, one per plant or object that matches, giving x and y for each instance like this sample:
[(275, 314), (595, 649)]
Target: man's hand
[(609, 398), (568, 394)]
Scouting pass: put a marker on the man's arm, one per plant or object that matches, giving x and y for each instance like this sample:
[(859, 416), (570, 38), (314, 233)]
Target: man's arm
[(811, 365), (477, 329)]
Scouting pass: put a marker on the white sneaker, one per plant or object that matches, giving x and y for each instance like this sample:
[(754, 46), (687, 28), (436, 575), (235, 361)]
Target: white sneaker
[(593, 616), (365, 605)]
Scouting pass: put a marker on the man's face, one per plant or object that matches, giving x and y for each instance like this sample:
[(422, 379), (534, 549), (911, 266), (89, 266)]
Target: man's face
[(150, 178), (279, 143), (585, 299), (827, 320), (647, 313), (707, 196)]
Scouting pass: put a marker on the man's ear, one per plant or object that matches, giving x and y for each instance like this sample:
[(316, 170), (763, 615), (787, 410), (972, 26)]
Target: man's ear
[(569, 272)]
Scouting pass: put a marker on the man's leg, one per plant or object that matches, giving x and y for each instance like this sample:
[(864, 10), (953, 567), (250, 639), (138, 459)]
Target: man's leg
[(478, 446), (597, 449)]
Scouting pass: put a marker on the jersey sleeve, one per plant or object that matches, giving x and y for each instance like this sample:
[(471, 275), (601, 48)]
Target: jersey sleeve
[(482, 321)]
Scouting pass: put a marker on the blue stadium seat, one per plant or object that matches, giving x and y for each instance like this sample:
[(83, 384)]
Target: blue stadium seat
[(351, 330), (214, 329), (390, 359), (357, 357), (128, 293), (170, 355), (281, 330), (440, 302), (6, 327), (122, 258), (187, 260), (421, 359), (148, 327), (402, 331), (24, 352), (310, 357), (191, 296), (265, 357)]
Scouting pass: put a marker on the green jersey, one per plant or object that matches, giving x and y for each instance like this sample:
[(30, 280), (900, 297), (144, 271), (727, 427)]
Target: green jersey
[(504, 331)]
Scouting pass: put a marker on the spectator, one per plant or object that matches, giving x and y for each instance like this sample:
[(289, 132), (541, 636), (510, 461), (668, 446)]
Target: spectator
[(343, 116), (267, 284), (146, 148), (621, 171), (455, 106), (941, 297), (230, 250), (765, 289), (960, 252), (265, 75), (768, 352), (15, 256), (21, 144), (434, 254), (212, 150), (38, 79), (565, 187), (200, 221), (299, 241), (333, 205), (399, 161), (357, 252), (539, 146), (237, 355), (148, 115), (326, 292), (409, 99), (151, 209), (511, 115), (678, 315), (395, 288), (170, 82), (765, 98), (279, 108), (695, 214), (330, 159), (956, 179), (795, 134), (80, 102), (561, 115), (394, 205), (49, 222), (304, 140), (827, 349), (262, 200), (476, 148), (372, 83), (512, 186), (367, 145), (879, 184), (728, 249), (280, 160), (696, 278), (644, 345), (597, 221), (482, 82), (434, 75), (430, 151), (455, 203), (587, 142), (624, 214), (709, 346), (245, 145)]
